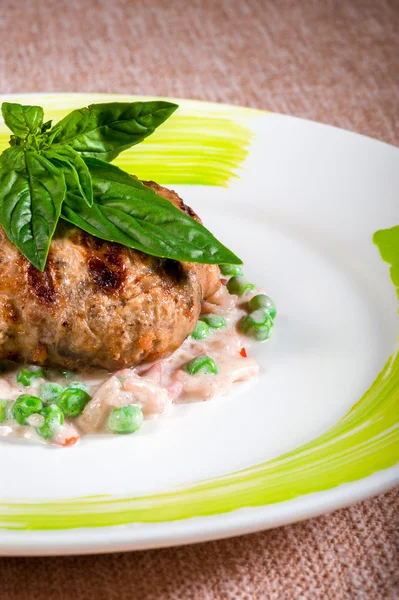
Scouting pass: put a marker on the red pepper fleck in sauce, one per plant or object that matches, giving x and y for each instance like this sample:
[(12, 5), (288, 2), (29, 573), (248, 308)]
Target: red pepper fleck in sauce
[(71, 441), (243, 353)]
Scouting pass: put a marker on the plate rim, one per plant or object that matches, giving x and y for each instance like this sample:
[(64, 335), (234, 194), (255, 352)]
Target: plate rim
[(199, 529)]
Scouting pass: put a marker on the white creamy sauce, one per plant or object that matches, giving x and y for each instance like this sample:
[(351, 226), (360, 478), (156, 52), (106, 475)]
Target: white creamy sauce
[(155, 387)]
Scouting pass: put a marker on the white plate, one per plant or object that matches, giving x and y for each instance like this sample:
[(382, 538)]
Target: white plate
[(301, 211)]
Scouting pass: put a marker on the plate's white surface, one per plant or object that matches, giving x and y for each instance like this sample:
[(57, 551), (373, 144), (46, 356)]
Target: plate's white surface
[(302, 216)]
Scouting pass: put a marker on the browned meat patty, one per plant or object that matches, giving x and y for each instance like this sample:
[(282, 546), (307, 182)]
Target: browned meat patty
[(98, 303)]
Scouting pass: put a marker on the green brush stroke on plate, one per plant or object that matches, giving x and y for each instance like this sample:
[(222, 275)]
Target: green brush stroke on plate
[(366, 440), (387, 241), (190, 148)]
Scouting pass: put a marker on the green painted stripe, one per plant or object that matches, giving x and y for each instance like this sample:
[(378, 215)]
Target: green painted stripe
[(387, 241), (198, 145)]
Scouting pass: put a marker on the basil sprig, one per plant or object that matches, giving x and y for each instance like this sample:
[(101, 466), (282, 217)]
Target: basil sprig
[(57, 172)]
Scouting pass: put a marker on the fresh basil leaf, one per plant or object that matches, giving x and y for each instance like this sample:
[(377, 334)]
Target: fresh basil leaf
[(72, 163), (22, 120), (111, 172), (105, 130), (135, 216), (30, 204), (12, 159)]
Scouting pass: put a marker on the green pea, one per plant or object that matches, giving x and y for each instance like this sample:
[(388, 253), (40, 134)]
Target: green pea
[(53, 419), (26, 376), (49, 392), (73, 402), (201, 331), (126, 419), (202, 364), (240, 286), (25, 406), (79, 385), (4, 405), (231, 270), (214, 321), (263, 301), (258, 325)]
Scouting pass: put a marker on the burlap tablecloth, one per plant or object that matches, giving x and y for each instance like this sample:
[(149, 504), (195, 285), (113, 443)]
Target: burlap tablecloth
[(336, 62)]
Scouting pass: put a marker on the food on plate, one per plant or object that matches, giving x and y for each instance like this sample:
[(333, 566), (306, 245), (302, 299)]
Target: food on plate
[(98, 303), (112, 304)]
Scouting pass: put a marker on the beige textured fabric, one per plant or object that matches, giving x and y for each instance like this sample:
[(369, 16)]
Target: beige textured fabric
[(326, 60), (332, 61)]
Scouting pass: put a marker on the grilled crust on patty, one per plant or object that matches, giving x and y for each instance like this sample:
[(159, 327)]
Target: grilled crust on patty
[(98, 303)]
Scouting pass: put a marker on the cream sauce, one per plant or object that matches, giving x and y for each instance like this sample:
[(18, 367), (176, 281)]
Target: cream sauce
[(155, 387)]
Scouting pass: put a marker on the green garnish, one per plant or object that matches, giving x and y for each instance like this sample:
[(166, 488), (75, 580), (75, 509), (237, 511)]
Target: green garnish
[(126, 419), (25, 406), (49, 392), (231, 270), (73, 402), (26, 376), (202, 364), (57, 172), (263, 301), (53, 419), (258, 325), (201, 331), (4, 404), (214, 321), (239, 285), (79, 385)]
